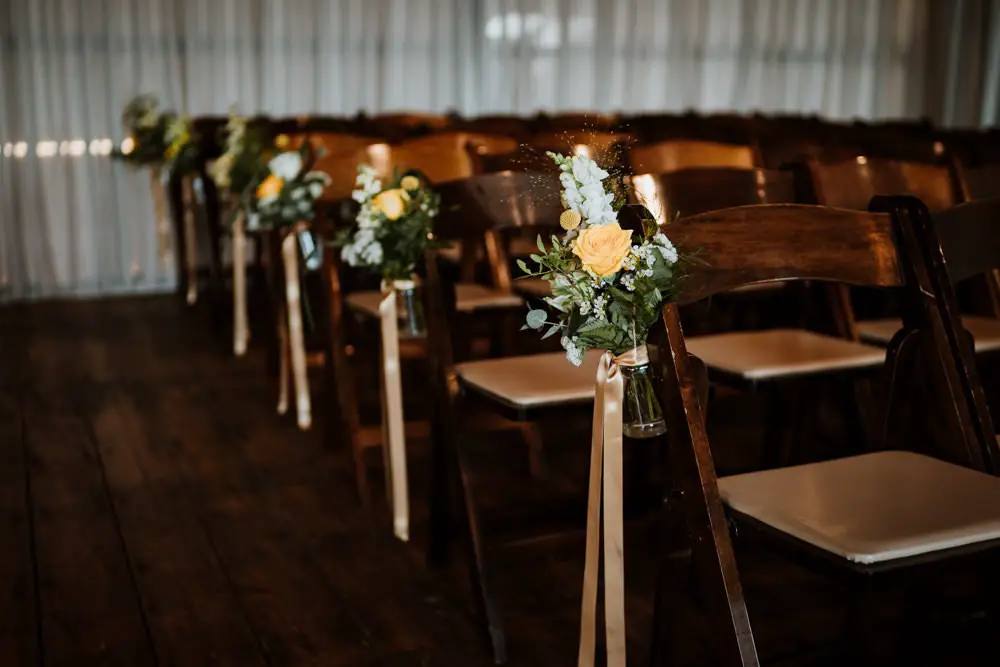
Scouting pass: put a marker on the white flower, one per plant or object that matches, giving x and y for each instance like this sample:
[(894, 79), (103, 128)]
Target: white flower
[(372, 253), (586, 170), (573, 199), (253, 221), (299, 193), (316, 189), (666, 248), (286, 166), (598, 211), (573, 353)]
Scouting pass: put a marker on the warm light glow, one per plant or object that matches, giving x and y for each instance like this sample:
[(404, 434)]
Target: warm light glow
[(861, 159), (21, 149), (8, 149), (128, 145), (77, 147), (938, 148), (379, 157), (46, 148), (581, 150), (647, 193), (101, 146)]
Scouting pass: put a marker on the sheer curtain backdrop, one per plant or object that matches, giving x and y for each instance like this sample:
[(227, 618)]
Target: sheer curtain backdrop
[(72, 222)]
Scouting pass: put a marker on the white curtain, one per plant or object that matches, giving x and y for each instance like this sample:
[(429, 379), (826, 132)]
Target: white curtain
[(72, 222)]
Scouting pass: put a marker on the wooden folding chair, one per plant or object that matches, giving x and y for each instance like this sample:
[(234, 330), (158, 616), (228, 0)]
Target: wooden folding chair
[(520, 388), (851, 183), (858, 516), (781, 361)]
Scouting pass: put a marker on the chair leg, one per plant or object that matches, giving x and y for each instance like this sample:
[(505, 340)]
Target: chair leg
[(190, 241), (536, 449), (479, 571), (283, 363), (241, 331)]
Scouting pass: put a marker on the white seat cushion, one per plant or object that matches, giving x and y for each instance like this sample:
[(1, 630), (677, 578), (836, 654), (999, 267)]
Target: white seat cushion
[(533, 287), (777, 353), (872, 508), (469, 297), (985, 331), (534, 380)]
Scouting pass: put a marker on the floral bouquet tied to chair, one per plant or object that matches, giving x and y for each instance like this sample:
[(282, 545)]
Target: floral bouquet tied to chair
[(393, 230), (608, 286)]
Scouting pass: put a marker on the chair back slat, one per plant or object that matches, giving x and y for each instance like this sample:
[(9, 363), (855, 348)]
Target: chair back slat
[(443, 157), (693, 191), (969, 235), (852, 183), (502, 200), (677, 154), (785, 242)]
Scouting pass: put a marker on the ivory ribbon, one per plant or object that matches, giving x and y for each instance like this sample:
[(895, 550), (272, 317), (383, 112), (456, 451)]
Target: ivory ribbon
[(241, 332), (606, 462), (393, 424), (296, 336), (190, 242), (160, 211)]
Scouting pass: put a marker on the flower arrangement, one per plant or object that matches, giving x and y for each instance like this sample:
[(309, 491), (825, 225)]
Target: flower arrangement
[(286, 192), (608, 283), (393, 225), (181, 153), (244, 157), (146, 131)]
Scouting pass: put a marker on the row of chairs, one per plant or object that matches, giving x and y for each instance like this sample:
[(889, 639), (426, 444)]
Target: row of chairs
[(493, 211)]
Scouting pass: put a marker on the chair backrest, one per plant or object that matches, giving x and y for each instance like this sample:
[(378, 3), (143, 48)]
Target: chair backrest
[(982, 182), (523, 158), (852, 183), (677, 154), (444, 157), (335, 142), (605, 147), (693, 191)]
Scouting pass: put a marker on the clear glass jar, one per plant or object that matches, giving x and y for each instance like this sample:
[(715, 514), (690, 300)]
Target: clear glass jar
[(410, 309), (642, 416)]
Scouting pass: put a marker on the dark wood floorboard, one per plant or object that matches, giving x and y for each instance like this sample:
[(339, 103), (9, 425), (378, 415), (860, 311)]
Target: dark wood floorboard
[(155, 510)]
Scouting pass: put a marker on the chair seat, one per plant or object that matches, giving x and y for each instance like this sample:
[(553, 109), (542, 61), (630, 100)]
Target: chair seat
[(872, 508), (533, 380), (533, 287), (779, 353), (985, 331), (469, 297)]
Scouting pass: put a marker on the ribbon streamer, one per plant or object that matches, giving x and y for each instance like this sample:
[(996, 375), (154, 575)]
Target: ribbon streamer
[(606, 463), (393, 424), (241, 331), (296, 336), (190, 242), (163, 249)]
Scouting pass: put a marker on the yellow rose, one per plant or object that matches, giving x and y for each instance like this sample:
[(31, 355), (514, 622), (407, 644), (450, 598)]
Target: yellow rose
[(391, 203), (569, 219), (281, 141), (603, 248), (271, 187), (410, 182)]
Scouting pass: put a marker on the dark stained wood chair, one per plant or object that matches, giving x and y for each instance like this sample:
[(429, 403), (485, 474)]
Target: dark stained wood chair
[(676, 154), (798, 350), (521, 388), (850, 183), (858, 516)]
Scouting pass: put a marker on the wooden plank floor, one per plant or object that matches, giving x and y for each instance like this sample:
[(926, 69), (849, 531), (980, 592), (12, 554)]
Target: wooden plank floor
[(154, 510)]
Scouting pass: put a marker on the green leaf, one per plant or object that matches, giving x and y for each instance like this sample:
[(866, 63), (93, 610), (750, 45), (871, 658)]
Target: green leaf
[(521, 265), (551, 331), (536, 318), (538, 242)]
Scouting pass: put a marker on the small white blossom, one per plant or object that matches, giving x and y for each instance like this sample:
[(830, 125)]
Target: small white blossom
[(573, 353), (286, 166)]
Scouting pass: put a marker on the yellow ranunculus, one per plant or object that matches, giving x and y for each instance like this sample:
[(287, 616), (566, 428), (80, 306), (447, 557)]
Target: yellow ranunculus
[(410, 182), (281, 141), (271, 187), (569, 219), (603, 248), (391, 203)]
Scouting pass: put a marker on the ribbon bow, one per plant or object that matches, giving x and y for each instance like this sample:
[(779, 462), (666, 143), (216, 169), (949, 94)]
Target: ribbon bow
[(393, 424), (606, 463)]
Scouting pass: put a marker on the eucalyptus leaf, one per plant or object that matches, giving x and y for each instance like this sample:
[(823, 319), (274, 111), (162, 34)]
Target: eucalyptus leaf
[(536, 318), (552, 331), (538, 242)]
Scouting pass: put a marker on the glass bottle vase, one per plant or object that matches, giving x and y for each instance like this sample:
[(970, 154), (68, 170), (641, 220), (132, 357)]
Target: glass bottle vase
[(642, 416), (410, 309)]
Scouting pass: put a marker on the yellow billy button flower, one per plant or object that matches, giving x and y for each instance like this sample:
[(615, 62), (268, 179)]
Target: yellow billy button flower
[(410, 183), (569, 219), (270, 188), (391, 203), (603, 248), (281, 141)]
